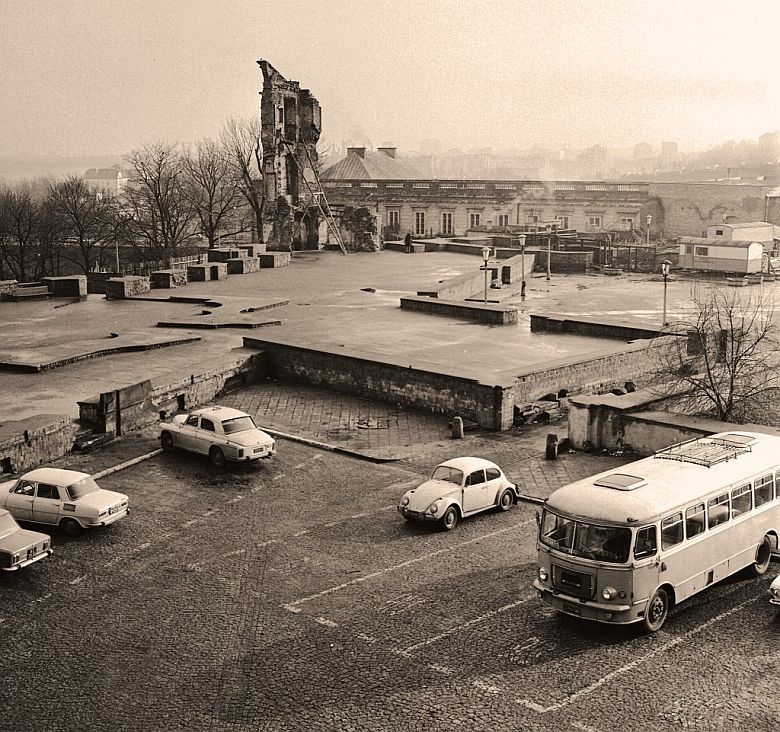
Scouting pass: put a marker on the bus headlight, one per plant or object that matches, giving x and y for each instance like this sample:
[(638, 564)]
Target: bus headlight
[(542, 573), (609, 593)]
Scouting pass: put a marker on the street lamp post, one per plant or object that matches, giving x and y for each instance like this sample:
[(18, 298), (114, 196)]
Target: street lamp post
[(549, 240), (649, 221), (665, 266), (485, 259), (522, 266)]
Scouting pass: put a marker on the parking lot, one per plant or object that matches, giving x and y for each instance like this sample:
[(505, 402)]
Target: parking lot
[(292, 596)]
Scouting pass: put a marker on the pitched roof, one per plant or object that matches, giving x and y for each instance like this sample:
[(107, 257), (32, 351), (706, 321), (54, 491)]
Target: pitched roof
[(102, 174), (362, 164)]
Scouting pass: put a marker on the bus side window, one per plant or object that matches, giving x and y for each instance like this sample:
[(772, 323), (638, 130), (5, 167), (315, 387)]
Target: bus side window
[(765, 488), (694, 520), (741, 500), (718, 510), (671, 531), (645, 545)]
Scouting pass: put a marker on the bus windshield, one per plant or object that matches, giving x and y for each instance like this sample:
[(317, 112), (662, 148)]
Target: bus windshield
[(581, 539)]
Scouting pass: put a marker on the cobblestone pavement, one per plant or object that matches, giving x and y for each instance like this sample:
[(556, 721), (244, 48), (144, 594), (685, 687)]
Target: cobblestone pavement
[(291, 596)]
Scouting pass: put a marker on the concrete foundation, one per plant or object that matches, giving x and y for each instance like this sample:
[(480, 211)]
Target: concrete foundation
[(71, 286), (119, 288)]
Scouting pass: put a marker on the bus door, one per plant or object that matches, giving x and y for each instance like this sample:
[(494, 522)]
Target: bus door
[(646, 563)]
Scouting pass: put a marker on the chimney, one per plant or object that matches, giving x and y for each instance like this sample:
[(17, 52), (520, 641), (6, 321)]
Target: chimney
[(359, 151), (389, 151)]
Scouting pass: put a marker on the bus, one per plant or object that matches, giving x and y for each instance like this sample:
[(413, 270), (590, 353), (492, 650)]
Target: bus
[(627, 544)]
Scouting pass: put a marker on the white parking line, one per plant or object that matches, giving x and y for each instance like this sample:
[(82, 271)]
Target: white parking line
[(77, 580), (407, 563), (326, 622), (658, 650), (583, 727), (486, 687), (463, 626)]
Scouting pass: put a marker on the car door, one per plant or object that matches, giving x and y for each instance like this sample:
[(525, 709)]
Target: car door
[(186, 436), (493, 485), (20, 500), (47, 504), (204, 435), (474, 491)]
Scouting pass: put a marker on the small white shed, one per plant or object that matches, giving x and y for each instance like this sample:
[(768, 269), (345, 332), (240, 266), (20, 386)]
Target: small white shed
[(721, 255)]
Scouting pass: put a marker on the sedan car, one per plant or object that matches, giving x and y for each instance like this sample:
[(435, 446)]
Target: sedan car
[(774, 592), (64, 498), (20, 547), (222, 433), (459, 488)]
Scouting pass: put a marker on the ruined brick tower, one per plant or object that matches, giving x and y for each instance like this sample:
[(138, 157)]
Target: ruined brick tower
[(291, 122)]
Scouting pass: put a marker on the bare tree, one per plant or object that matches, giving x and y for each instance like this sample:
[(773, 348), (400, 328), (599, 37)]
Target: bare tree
[(212, 187), (86, 218), (158, 214), (19, 250), (723, 358), (244, 150)]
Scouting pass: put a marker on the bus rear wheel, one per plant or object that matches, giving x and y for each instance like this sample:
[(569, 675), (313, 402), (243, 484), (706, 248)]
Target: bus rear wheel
[(656, 612), (763, 556)]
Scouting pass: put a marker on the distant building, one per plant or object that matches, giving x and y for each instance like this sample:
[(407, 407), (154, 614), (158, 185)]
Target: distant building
[(364, 164), (670, 156), (769, 147), (642, 151), (106, 179)]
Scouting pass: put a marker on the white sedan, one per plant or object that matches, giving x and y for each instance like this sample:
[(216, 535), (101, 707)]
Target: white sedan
[(64, 498), (459, 488), (222, 433), (774, 591), (20, 547)]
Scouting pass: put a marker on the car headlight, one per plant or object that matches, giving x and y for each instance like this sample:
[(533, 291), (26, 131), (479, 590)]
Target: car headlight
[(542, 574), (405, 501), (609, 593), (434, 507), (774, 591)]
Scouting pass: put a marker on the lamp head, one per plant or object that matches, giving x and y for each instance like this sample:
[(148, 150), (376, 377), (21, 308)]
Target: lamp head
[(649, 220), (665, 267), (521, 240), (486, 253)]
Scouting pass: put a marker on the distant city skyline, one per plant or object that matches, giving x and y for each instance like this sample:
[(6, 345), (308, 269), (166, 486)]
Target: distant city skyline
[(92, 77)]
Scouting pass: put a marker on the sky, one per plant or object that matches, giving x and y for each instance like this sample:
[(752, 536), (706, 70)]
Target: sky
[(88, 77)]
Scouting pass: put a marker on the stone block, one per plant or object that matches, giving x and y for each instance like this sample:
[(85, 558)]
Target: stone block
[(7, 287), (274, 259), (168, 278), (243, 265), (70, 286), (252, 250), (225, 254), (119, 288), (205, 272), (218, 270)]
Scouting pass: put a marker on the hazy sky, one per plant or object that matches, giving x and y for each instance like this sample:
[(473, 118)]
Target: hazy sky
[(105, 76)]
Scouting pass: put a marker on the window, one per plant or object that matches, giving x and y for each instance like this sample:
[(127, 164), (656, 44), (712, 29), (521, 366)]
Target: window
[(192, 420), (503, 221), (741, 500), (473, 220), (671, 531), (25, 488), (718, 232), (419, 222), (764, 490), (393, 217), (594, 221), (446, 222), (718, 510), (627, 222), (563, 221), (694, 520), (207, 424), (689, 248), (645, 545), (532, 218), (492, 474), (475, 478), (48, 491), (702, 251)]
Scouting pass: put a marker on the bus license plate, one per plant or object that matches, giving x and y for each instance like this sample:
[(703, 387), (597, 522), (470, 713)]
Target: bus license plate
[(573, 609)]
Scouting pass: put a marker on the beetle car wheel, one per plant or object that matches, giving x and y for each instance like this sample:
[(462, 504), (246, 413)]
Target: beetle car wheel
[(657, 610), (166, 440), (450, 519), (763, 555), (70, 526), (217, 457), (506, 501)]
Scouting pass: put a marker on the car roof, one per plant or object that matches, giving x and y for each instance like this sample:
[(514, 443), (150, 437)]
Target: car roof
[(219, 413), (467, 464), (57, 476)]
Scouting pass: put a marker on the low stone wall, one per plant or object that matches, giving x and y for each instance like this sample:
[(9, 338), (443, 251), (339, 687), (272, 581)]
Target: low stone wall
[(512, 268), (119, 288), (398, 246), (168, 278), (225, 254), (274, 259), (71, 286), (460, 287), (478, 312), (96, 282), (552, 323), (7, 287), (243, 265), (566, 261), (31, 442), (363, 375)]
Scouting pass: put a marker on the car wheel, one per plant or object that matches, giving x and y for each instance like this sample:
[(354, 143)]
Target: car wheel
[(656, 612), (166, 440), (71, 527), (217, 457), (450, 519), (506, 501), (763, 556)]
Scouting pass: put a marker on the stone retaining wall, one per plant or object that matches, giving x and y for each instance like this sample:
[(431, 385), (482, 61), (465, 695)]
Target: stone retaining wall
[(27, 443), (584, 326)]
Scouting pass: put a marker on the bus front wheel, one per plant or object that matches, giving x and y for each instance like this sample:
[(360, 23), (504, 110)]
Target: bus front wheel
[(657, 610), (763, 556)]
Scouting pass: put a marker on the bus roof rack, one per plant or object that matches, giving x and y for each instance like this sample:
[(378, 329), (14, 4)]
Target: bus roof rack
[(708, 451)]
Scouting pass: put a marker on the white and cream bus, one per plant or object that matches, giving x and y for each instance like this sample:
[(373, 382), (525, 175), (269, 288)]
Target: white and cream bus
[(625, 545)]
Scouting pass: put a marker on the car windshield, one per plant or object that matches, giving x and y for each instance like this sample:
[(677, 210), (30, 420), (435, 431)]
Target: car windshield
[(451, 475), (581, 539), (7, 523), (238, 424), (84, 487)]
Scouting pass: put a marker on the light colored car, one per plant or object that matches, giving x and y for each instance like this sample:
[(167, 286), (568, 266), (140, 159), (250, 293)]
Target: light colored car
[(64, 498), (20, 547), (774, 591), (222, 433), (459, 488)]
